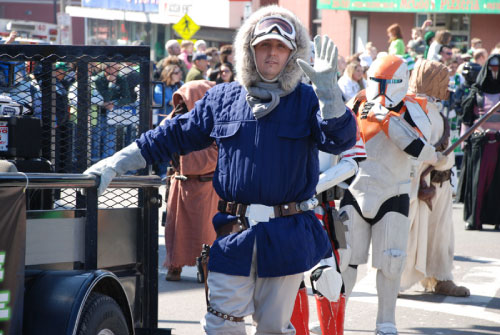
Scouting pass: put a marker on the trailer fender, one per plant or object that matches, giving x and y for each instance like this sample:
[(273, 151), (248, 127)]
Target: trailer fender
[(54, 300)]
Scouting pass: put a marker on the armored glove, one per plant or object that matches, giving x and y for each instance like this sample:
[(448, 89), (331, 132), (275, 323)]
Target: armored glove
[(324, 78), (127, 159)]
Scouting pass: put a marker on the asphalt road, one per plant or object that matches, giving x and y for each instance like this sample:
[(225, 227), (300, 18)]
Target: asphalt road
[(477, 266)]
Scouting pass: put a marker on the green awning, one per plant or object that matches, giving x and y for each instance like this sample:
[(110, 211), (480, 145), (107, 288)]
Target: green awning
[(415, 6)]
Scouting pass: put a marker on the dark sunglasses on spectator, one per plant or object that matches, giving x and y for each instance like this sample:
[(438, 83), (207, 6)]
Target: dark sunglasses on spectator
[(225, 71)]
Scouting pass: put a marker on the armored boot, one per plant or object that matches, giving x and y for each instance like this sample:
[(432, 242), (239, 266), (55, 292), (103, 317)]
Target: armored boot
[(331, 315), (300, 315)]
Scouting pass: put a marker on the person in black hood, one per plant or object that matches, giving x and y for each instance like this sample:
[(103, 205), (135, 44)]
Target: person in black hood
[(483, 94), (480, 175)]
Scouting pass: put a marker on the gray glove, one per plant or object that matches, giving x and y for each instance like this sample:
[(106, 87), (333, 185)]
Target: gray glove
[(127, 159), (324, 77)]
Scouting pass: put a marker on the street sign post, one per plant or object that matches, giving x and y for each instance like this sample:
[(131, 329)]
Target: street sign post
[(186, 27)]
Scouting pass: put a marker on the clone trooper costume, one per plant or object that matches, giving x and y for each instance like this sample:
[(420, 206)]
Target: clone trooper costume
[(268, 133), (431, 243), (377, 200), (334, 170)]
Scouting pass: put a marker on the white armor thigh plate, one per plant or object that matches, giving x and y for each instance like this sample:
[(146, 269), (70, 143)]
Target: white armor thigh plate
[(358, 237), (389, 243), (384, 174)]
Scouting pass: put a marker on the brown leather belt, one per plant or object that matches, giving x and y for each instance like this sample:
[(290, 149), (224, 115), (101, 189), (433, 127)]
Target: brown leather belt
[(203, 178), (440, 176), (238, 209), (233, 227)]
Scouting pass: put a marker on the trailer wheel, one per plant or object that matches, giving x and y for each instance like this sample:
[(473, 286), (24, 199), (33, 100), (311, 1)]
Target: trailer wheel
[(102, 316)]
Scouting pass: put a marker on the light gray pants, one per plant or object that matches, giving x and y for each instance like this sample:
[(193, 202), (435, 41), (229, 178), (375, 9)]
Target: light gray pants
[(269, 300)]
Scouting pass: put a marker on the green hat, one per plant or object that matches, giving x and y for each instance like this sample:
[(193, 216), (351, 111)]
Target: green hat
[(428, 35), (62, 65)]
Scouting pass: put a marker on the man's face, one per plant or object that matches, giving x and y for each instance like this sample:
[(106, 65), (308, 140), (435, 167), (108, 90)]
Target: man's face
[(446, 54), (174, 50), (271, 57), (453, 67), (201, 64), (112, 72)]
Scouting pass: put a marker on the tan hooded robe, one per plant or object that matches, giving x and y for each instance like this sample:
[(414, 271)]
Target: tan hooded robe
[(191, 204)]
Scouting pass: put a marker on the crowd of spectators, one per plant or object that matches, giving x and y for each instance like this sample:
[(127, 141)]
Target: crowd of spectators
[(195, 61)]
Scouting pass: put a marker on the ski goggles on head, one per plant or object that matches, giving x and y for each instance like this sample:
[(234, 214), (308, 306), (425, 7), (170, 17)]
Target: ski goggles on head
[(270, 23)]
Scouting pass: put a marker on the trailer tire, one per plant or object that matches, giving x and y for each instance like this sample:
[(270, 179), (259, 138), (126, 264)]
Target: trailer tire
[(102, 316)]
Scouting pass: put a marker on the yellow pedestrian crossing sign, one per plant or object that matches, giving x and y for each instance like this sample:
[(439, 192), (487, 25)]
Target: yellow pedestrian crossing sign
[(186, 27)]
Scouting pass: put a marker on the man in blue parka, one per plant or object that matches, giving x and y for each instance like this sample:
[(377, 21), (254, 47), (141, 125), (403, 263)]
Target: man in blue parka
[(268, 127)]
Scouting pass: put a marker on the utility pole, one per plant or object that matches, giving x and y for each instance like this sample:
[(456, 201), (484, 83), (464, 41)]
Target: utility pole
[(55, 11)]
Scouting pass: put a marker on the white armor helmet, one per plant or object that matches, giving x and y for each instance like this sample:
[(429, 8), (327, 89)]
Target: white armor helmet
[(387, 81)]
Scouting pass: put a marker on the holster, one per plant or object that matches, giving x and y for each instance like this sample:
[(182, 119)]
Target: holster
[(232, 227), (202, 262)]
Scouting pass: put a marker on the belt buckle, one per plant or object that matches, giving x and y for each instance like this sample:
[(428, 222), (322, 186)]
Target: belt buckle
[(260, 213)]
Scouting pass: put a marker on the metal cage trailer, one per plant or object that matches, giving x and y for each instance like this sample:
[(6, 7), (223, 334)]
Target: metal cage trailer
[(83, 270)]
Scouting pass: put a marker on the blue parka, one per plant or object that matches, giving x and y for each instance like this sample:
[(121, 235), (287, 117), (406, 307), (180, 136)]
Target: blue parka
[(269, 161)]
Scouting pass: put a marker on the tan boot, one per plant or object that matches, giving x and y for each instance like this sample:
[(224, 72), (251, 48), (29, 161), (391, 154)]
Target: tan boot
[(173, 274), (448, 287)]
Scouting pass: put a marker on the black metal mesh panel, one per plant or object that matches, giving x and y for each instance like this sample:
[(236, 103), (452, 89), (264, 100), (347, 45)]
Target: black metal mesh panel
[(92, 102)]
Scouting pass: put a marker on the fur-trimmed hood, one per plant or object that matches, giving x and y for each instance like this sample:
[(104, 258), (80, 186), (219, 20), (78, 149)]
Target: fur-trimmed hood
[(246, 71)]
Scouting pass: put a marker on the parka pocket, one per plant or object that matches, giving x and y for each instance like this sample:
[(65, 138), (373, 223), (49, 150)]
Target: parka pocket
[(225, 130)]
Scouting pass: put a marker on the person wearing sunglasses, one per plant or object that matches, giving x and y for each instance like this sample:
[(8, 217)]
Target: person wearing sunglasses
[(443, 37), (171, 76), (268, 127), (226, 73), (445, 54)]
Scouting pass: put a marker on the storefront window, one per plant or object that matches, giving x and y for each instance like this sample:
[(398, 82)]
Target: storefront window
[(457, 24), (104, 32)]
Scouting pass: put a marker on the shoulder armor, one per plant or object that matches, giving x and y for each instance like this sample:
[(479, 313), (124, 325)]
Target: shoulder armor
[(419, 116)]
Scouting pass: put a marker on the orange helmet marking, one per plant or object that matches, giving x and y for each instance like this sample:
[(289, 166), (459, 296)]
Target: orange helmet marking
[(387, 67)]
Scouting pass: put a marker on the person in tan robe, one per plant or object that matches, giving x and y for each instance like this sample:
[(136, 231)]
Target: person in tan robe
[(192, 201), (431, 242)]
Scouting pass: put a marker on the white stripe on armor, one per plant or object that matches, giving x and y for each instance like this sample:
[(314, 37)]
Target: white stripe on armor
[(421, 119)]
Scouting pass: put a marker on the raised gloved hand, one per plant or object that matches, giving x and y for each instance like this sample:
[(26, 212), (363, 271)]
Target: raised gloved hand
[(324, 77), (127, 159)]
